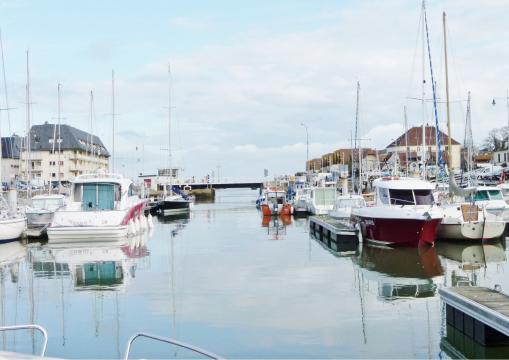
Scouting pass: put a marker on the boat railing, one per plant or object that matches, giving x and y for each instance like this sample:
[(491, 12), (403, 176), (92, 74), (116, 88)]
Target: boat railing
[(98, 175), (169, 341), (32, 327)]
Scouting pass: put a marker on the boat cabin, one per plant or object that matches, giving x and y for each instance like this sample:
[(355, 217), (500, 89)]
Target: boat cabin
[(100, 192), (48, 202), (403, 191)]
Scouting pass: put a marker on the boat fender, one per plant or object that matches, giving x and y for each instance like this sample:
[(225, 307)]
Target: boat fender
[(359, 233), (150, 221), (144, 222), (136, 226), (130, 228), (427, 216), (142, 225)]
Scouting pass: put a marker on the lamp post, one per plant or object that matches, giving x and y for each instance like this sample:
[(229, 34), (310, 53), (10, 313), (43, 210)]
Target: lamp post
[(307, 144), (507, 104)]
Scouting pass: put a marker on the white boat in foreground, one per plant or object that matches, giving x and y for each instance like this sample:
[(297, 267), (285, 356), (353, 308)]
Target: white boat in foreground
[(42, 209), (12, 224), (101, 207), (345, 204)]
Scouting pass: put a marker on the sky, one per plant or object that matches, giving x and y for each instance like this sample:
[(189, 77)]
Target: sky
[(246, 74)]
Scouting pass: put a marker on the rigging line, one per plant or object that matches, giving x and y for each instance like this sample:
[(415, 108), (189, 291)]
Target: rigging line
[(6, 93), (437, 132), (410, 81)]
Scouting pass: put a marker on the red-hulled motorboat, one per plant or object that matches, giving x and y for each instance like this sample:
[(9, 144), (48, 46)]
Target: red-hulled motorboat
[(274, 203), (404, 213)]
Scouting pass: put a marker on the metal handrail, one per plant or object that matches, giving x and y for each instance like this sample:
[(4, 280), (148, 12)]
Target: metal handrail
[(169, 341), (30, 326)]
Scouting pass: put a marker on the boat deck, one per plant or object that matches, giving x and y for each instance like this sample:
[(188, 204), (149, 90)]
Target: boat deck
[(333, 227)]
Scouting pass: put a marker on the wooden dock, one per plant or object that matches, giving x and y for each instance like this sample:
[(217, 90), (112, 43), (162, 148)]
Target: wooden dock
[(480, 313)]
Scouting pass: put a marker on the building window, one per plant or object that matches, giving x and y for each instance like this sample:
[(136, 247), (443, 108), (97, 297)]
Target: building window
[(53, 175), (60, 163), (498, 157)]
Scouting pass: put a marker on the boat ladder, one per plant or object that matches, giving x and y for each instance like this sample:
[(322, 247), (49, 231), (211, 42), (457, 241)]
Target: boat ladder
[(30, 326)]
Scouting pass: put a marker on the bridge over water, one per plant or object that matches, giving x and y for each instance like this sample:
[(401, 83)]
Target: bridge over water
[(222, 185)]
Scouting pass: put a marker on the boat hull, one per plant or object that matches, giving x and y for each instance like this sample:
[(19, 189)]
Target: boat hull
[(87, 233), (477, 230), (39, 218), (174, 207), (391, 231), (12, 229), (285, 210)]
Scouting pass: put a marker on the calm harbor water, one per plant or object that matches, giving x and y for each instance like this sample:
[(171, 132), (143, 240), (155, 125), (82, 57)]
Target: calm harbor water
[(227, 281)]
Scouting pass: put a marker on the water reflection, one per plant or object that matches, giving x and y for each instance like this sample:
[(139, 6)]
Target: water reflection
[(276, 225), (95, 266), (466, 261)]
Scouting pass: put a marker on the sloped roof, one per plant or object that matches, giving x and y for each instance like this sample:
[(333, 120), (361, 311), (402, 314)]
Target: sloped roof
[(414, 136), (11, 146), (72, 139)]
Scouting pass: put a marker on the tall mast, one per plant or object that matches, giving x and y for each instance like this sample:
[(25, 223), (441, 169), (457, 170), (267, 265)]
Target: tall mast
[(406, 138), (113, 121), (356, 135), (59, 138), (423, 93), (28, 156), (90, 145), (169, 120), (6, 94), (468, 136), (449, 143)]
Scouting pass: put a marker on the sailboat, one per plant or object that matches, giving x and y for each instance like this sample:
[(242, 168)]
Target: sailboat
[(174, 201), (471, 220), (12, 224)]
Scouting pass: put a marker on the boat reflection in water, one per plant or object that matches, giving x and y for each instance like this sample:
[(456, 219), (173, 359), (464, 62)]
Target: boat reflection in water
[(276, 225), (11, 254), (464, 260), (400, 272), (91, 265)]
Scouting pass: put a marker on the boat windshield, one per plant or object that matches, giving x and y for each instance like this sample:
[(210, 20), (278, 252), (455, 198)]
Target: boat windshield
[(49, 204), (495, 195), (351, 203), (97, 196), (411, 197), (484, 195)]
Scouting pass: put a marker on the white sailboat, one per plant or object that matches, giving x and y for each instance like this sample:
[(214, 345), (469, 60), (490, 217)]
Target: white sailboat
[(174, 201)]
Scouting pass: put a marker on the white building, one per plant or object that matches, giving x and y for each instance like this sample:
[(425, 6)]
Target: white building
[(80, 153)]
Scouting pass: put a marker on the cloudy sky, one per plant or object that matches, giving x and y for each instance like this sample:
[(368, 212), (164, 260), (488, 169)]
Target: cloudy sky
[(246, 74)]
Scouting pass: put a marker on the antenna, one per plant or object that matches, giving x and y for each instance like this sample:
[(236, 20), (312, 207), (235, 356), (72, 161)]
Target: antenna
[(113, 120)]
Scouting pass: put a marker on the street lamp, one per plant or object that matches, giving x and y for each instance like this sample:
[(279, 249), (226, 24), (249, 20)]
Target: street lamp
[(507, 103), (307, 144)]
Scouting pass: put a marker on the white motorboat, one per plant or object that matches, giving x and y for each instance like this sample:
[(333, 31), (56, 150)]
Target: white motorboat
[(321, 200), (42, 208), (101, 207), (300, 201), (345, 204), (491, 199)]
